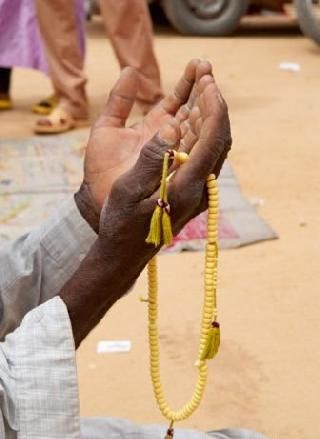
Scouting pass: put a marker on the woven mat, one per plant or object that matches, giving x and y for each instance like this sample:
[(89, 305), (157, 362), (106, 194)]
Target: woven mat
[(38, 172)]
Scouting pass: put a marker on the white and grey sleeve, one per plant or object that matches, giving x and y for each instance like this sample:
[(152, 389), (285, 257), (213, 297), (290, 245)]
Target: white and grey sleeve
[(38, 378), (34, 268)]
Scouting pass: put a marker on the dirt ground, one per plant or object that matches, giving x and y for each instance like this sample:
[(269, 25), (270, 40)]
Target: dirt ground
[(266, 376)]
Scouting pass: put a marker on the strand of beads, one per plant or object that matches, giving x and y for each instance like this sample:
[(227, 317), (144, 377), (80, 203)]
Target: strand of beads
[(210, 328)]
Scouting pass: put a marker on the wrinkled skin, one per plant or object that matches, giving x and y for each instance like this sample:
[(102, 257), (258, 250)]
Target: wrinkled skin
[(113, 148), (199, 126)]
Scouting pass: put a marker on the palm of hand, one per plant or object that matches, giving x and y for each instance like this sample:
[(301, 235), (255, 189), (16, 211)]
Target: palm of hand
[(204, 133), (113, 148)]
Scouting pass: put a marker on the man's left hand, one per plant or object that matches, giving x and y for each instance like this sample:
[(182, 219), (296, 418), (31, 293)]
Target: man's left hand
[(114, 148)]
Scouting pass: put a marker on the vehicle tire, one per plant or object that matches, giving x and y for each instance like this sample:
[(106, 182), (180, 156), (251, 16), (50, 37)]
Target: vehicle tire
[(308, 20), (200, 17)]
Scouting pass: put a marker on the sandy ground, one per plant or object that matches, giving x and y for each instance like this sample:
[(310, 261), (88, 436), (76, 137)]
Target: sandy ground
[(266, 376)]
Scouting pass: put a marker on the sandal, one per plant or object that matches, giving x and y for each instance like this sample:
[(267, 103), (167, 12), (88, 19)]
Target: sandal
[(59, 121), (45, 106), (5, 103)]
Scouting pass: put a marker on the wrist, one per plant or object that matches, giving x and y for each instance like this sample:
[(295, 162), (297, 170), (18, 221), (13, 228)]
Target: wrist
[(87, 206), (126, 261)]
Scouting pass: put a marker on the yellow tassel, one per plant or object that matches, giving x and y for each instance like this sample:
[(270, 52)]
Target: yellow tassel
[(154, 236), (212, 343), (215, 341), (160, 225), (166, 228)]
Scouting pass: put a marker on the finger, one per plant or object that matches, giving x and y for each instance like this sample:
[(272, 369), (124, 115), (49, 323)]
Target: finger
[(188, 142), (121, 99), (204, 82), (182, 90), (183, 113), (170, 105), (189, 133), (185, 127), (145, 177), (213, 139), (195, 120), (190, 130), (204, 68), (176, 103), (188, 139)]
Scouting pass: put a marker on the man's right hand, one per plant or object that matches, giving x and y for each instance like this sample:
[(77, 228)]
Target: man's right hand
[(121, 253)]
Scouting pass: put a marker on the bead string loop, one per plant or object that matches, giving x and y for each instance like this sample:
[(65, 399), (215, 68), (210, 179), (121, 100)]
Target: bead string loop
[(161, 233)]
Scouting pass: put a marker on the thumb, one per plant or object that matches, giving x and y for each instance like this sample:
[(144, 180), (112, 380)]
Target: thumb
[(121, 99)]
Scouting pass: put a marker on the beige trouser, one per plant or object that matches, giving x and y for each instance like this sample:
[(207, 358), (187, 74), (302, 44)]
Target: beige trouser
[(130, 31), (129, 27), (58, 26)]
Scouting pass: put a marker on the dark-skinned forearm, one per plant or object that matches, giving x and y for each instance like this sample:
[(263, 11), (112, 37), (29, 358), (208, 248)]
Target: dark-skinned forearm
[(98, 283)]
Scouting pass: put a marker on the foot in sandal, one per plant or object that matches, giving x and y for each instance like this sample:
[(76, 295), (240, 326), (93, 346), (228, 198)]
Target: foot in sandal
[(45, 106), (5, 102), (59, 121)]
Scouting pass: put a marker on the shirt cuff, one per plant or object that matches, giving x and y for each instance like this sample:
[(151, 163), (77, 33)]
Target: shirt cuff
[(41, 353)]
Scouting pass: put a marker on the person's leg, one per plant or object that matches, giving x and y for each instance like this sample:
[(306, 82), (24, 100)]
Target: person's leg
[(103, 428), (58, 25), (130, 31), (5, 79)]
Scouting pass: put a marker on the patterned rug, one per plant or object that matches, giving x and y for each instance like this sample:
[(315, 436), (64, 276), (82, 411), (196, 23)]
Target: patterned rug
[(38, 172)]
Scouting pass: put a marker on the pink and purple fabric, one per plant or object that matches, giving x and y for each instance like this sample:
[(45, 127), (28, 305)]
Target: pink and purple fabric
[(20, 39)]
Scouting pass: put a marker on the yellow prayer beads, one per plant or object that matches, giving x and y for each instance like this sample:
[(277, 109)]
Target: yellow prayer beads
[(210, 329)]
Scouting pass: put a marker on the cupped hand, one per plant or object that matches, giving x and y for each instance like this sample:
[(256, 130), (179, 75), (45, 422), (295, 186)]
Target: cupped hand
[(125, 218), (113, 148)]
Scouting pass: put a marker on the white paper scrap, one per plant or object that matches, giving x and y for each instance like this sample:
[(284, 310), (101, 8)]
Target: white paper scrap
[(106, 347), (290, 66)]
